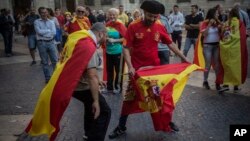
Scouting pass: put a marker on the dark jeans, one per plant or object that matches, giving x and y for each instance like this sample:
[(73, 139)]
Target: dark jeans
[(95, 129), (7, 38), (177, 37), (113, 62), (164, 56)]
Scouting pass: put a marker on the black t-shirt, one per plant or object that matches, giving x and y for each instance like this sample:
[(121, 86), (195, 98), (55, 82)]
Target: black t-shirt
[(189, 19)]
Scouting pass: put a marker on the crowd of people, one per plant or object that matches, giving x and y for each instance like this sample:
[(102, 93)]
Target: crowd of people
[(142, 38)]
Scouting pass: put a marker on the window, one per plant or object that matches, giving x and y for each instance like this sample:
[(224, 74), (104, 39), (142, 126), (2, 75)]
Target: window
[(179, 1), (131, 1), (106, 2), (89, 2)]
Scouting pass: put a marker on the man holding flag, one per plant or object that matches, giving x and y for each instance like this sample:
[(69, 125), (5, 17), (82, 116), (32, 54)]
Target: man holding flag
[(141, 51), (76, 73)]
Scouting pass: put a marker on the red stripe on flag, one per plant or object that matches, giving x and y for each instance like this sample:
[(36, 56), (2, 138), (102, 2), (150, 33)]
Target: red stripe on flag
[(68, 80)]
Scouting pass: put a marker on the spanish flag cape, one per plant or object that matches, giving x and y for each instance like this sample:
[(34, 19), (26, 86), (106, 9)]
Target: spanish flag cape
[(198, 51), (157, 90), (78, 24), (119, 26), (233, 54), (56, 95)]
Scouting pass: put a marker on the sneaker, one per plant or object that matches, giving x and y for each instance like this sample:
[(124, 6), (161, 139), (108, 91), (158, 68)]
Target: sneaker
[(236, 89), (217, 87), (33, 63), (85, 138), (117, 132), (224, 88), (173, 126), (205, 85)]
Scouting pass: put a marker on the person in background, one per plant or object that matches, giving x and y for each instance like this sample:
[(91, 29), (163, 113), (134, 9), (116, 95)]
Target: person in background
[(116, 31), (101, 16), (209, 29), (136, 14), (233, 52), (243, 17), (31, 33), (6, 28), (163, 50), (122, 15), (192, 23), (91, 16), (65, 34), (222, 16), (79, 22), (176, 21), (45, 33)]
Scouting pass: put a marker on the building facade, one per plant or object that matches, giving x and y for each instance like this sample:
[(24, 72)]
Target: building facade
[(129, 5)]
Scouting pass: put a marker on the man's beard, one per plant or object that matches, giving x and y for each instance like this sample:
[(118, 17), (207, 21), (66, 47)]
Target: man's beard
[(148, 22)]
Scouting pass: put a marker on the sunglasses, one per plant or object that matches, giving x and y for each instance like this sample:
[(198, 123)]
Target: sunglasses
[(79, 11)]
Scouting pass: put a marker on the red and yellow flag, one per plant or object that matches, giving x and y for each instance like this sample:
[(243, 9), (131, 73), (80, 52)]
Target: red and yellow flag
[(233, 54), (55, 96), (157, 90)]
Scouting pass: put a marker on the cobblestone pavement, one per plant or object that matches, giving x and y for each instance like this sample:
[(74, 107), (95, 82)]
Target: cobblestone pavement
[(200, 114)]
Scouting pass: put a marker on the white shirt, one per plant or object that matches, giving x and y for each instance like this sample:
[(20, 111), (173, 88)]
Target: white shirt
[(212, 35), (45, 29), (176, 21)]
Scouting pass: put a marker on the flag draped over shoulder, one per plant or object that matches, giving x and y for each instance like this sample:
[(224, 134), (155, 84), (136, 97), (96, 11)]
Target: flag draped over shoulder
[(157, 90), (198, 51), (233, 54), (119, 26), (55, 96)]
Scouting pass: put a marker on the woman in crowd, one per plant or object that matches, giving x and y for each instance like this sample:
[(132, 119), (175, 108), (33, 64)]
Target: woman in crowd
[(116, 31), (233, 52), (209, 29)]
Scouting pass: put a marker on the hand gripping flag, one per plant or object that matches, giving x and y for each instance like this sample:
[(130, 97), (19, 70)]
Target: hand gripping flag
[(55, 96), (233, 54), (157, 90)]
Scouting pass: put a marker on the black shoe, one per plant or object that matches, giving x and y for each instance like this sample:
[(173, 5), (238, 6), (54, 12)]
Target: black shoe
[(33, 63), (205, 85), (173, 126), (236, 89), (117, 132), (223, 88), (217, 87)]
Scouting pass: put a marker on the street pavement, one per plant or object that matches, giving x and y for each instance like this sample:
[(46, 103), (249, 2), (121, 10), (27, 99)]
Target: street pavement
[(200, 114)]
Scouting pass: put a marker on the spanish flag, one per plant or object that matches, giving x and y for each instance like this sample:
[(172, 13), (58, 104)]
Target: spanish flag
[(198, 51), (233, 54), (157, 90), (56, 95)]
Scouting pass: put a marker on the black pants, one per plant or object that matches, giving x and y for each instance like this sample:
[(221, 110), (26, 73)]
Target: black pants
[(96, 129), (113, 62), (7, 38), (177, 37)]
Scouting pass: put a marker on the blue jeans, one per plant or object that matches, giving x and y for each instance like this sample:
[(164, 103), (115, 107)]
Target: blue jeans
[(32, 42), (188, 43), (164, 56), (211, 55), (47, 50)]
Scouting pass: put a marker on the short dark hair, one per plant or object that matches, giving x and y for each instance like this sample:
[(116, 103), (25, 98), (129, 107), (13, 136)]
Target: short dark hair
[(57, 8), (176, 6), (234, 13), (51, 12), (40, 9), (195, 6)]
